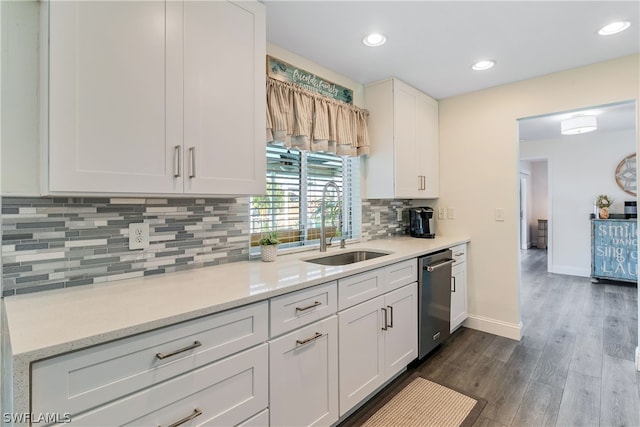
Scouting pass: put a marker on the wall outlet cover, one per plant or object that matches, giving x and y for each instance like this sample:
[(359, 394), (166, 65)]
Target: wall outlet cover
[(441, 213), (376, 218), (138, 235)]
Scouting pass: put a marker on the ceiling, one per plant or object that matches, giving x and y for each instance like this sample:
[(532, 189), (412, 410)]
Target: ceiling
[(610, 118), (432, 44)]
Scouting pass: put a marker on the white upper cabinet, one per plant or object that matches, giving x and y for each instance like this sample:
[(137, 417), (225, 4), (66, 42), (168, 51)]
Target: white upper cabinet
[(224, 97), (156, 97), (403, 127)]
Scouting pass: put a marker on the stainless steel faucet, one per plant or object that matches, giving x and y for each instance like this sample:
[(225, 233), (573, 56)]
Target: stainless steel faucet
[(323, 234)]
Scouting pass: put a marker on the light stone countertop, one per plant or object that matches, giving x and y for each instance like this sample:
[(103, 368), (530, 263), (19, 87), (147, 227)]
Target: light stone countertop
[(50, 323)]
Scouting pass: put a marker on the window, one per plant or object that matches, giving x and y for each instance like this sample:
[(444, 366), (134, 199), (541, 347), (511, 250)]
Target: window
[(295, 181)]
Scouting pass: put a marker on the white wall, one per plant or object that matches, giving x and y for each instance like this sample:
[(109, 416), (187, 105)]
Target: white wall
[(479, 172), (581, 167)]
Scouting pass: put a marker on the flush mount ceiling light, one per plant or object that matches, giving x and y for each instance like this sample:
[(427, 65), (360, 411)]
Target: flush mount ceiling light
[(483, 65), (374, 40), (579, 124), (614, 28)]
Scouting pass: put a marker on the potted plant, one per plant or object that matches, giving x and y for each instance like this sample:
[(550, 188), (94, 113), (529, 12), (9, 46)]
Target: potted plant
[(603, 202), (269, 246)]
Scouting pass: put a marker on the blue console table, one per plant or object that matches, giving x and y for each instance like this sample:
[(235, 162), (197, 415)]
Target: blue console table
[(614, 249)]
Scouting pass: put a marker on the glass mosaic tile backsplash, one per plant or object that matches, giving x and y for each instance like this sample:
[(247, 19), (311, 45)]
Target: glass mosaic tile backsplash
[(51, 243)]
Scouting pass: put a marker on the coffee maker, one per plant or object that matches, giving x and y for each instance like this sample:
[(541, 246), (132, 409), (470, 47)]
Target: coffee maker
[(422, 223)]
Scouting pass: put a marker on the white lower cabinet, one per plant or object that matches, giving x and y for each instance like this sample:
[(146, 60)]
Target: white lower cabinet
[(226, 369), (303, 384), (458, 286), (227, 393), (377, 339)]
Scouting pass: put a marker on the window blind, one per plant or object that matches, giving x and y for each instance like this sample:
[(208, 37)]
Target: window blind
[(292, 205)]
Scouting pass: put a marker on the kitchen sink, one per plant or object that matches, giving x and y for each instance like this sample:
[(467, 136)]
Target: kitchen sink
[(345, 258)]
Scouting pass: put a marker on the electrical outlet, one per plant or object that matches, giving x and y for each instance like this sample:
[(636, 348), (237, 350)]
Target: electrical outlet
[(451, 212), (399, 214), (441, 213), (376, 218), (138, 235)]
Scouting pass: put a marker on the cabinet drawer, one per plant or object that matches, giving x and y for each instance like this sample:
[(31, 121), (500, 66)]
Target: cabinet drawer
[(300, 308), (226, 392), (260, 420), (355, 289), (78, 381), (459, 253), (400, 274)]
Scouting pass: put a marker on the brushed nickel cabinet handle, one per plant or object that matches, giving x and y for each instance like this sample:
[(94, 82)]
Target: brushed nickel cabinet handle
[(308, 340), (454, 283), (180, 350), (390, 313), (384, 328), (176, 162), (192, 162), (196, 413), (309, 307), (459, 253)]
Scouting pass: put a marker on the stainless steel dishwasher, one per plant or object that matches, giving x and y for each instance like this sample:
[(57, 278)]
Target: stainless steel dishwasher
[(434, 300)]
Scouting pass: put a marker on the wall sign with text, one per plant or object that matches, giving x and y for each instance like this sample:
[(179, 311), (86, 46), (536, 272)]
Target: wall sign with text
[(286, 72), (614, 249)]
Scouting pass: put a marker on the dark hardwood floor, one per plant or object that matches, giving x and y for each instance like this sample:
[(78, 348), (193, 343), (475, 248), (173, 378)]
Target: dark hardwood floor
[(573, 367)]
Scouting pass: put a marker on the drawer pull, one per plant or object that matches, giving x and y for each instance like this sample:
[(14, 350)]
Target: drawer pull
[(180, 350), (196, 413), (309, 307), (459, 254), (390, 308), (308, 340)]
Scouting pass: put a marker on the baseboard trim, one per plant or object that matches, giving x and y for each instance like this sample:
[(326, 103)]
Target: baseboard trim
[(493, 326)]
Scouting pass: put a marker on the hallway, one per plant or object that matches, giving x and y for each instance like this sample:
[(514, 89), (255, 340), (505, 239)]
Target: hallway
[(573, 367)]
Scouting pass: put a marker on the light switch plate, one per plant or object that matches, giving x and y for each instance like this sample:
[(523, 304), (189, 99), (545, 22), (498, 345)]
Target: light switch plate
[(441, 213), (451, 212), (500, 214)]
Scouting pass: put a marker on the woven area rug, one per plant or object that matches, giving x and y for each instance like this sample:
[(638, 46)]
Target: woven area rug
[(417, 401)]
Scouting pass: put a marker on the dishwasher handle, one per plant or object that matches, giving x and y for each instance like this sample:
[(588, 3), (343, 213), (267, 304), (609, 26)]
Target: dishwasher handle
[(432, 267)]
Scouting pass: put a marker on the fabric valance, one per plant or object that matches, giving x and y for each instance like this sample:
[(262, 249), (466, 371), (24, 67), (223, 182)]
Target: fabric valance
[(300, 119)]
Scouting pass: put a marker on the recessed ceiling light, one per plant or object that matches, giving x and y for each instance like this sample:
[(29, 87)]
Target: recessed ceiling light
[(614, 28), (374, 40), (483, 65)]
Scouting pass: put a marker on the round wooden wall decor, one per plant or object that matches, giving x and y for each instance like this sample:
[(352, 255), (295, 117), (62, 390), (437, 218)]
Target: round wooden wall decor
[(626, 175)]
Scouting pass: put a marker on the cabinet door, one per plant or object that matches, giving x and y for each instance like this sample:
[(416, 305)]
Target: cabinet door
[(401, 337), (224, 97), (361, 352), (427, 146), (304, 376), (109, 130), (458, 295), (408, 182)]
